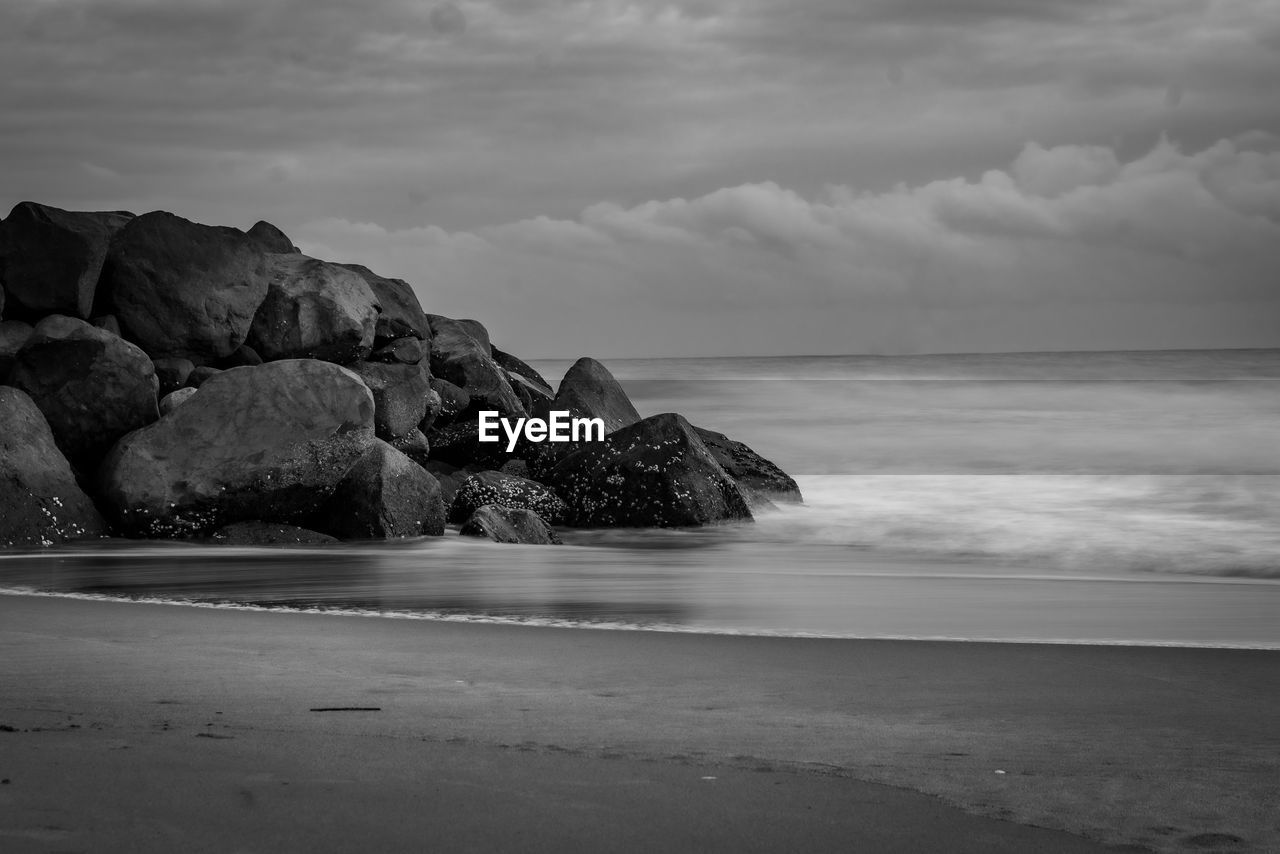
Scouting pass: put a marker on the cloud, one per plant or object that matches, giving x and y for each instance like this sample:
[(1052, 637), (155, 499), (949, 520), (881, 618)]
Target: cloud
[(1068, 247)]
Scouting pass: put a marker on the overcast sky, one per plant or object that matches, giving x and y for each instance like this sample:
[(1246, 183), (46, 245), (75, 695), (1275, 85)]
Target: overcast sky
[(701, 177)]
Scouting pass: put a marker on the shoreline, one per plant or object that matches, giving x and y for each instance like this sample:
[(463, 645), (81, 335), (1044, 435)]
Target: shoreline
[(1150, 746)]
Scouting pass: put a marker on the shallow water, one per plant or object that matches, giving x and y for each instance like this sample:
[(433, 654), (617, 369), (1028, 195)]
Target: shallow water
[(1092, 498)]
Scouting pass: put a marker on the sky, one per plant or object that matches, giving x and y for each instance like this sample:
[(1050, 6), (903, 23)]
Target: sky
[(707, 177)]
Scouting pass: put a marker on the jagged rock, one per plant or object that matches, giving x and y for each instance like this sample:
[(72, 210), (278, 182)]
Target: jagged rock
[(314, 310), (243, 356), (13, 334), (512, 365), (183, 289), (414, 446), (271, 239), (93, 387), (107, 322), (172, 374), (174, 399), (40, 502), (399, 395), (385, 495), (268, 534), (588, 390), (654, 473), (402, 315), (505, 490), (509, 525), (458, 357), (268, 443), (532, 396), (201, 375), (453, 401), (406, 351), (477, 331), (51, 259), (756, 476)]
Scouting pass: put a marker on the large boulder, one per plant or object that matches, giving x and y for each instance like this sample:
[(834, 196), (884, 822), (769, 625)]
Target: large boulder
[(268, 443), (756, 476), (40, 502), (271, 239), (13, 336), (400, 396), (513, 365), (509, 525), (385, 495), (654, 473), (183, 289), (457, 356), (505, 490), (588, 390), (314, 310), (402, 315), (458, 443), (406, 351), (450, 477), (453, 401), (51, 259), (92, 386)]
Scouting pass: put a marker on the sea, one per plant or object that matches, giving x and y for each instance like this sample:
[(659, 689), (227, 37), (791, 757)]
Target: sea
[(1093, 497)]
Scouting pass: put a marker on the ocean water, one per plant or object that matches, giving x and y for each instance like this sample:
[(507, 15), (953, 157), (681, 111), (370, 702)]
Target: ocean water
[(1125, 497)]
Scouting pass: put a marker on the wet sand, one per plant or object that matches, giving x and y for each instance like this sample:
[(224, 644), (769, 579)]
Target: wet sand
[(160, 728)]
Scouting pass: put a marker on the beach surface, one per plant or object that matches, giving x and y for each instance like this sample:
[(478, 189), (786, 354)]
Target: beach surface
[(151, 727)]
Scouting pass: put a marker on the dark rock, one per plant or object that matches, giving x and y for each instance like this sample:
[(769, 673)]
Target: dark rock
[(314, 310), (509, 525), (268, 534), (40, 501), (532, 396), (271, 239), (654, 473), (184, 289), (756, 476), (518, 468), (244, 356), (385, 495), (402, 315), (107, 322), (93, 387), (512, 365), (51, 259), (174, 399), (432, 411), (201, 375), (172, 373), (414, 446), (588, 390), (399, 395), (406, 351), (268, 443), (450, 477), (457, 357), (13, 334), (453, 400), (491, 487), (459, 444), (479, 334)]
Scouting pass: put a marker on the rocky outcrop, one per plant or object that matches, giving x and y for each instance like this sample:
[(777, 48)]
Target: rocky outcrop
[(402, 315), (509, 525), (271, 239), (654, 473), (513, 365), (385, 495), (457, 356), (268, 534), (40, 502), (588, 390), (314, 310), (400, 395), (92, 386), (505, 490), (756, 476), (269, 443), (13, 335), (183, 289), (51, 259)]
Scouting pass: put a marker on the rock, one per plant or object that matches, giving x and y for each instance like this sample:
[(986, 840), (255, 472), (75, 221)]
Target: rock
[(13, 334), (479, 334), (314, 310), (93, 387), (519, 468), (453, 400), (107, 322), (183, 289), (458, 357), (271, 239), (530, 393), (51, 259), (588, 390), (414, 446), (756, 477), (654, 473), (509, 525), (512, 365), (244, 356), (201, 375), (450, 477), (172, 373), (399, 395), (268, 534), (432, 411), (406, 351), (505, 490), (268, 443), (402, 315), (385, 495), (40, 502), (458, 443), (174, 399)]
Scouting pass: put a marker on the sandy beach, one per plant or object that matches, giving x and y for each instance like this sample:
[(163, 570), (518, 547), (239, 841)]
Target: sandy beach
[(151, 727)]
